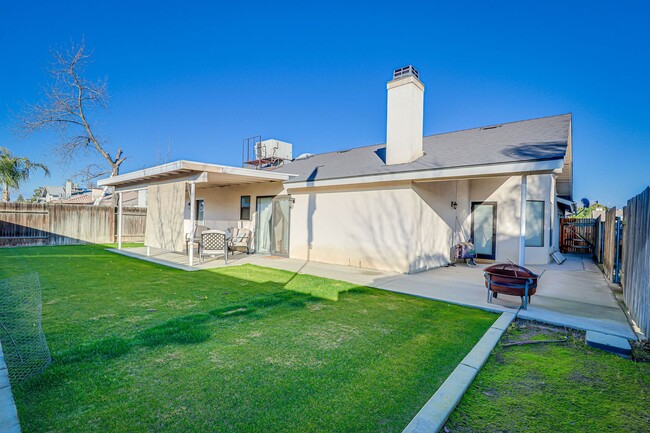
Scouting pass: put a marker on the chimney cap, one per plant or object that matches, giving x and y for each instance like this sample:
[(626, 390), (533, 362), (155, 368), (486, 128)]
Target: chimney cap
[(406, 71)]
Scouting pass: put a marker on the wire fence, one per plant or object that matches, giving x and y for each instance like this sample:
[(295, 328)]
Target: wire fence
[(25, 349)]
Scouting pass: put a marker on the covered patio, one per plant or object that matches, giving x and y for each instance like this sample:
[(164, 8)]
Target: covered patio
[(184, 195)]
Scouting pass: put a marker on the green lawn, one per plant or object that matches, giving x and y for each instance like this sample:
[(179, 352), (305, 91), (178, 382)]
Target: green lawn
[(141, 347), (567, 387)]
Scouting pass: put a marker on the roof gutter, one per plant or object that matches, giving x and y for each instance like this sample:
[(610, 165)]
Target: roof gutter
[(515, 168)]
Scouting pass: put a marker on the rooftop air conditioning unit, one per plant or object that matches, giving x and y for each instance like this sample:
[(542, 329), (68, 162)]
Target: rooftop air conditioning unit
[(273, 149)]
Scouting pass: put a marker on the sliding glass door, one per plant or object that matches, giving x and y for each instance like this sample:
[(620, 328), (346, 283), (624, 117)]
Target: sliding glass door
[(272, 225)]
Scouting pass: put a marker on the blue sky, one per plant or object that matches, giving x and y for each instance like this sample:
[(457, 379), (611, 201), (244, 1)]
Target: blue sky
[(190, 80)]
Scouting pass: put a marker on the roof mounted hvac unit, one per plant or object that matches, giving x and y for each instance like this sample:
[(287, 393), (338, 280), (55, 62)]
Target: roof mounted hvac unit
[(258, 153)]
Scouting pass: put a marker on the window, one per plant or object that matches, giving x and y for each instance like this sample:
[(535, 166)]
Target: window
[(534, 223), (199, 211), (245, 208)]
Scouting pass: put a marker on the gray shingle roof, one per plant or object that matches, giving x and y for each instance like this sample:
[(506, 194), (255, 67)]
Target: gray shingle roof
[(527, 140)]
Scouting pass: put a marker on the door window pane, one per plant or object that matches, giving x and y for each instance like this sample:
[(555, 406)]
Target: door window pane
[(483, 229), (280, 220), (199, 211), (263, 225), (534, 223)]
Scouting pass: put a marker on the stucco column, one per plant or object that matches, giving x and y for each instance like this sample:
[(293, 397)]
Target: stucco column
[(522, 222), (119, 221), (193, 228)]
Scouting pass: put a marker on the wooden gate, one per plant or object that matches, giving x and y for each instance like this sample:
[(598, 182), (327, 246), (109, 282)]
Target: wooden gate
[(578, 235)]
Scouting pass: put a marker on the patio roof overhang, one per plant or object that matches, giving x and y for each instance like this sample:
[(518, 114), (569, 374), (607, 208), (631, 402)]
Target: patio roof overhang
[(190, 171)]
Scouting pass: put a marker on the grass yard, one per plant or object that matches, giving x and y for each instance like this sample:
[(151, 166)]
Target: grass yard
[(141, 347), (566, 387)]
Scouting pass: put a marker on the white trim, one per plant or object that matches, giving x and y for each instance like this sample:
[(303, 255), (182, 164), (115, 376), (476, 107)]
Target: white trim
[(564, 201), (190, 255), (182, 166), (522, 221), (538, 167), (197, 177)]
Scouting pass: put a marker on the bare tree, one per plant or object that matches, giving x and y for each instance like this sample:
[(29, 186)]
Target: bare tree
[(69, 100)]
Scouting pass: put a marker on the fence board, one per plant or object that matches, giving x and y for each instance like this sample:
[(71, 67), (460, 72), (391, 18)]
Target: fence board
[(598, 240), (42, 224), (636, 266), (133, 222), (610, 247)]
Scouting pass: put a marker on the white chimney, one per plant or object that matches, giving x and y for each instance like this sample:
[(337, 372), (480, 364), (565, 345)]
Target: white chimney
[(68, 188), (404, 124)]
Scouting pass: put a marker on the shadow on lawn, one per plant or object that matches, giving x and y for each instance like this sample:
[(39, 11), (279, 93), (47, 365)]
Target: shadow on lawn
[(191, 328), (289, 292)]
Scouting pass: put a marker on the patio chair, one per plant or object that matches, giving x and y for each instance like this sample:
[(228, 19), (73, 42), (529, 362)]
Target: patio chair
[(214, 243), (241, 238), (197, 237)]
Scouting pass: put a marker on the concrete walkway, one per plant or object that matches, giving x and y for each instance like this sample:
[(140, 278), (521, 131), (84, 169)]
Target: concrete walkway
[(574, 294)]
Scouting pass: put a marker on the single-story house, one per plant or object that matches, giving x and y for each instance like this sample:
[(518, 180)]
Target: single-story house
[(399, 206)]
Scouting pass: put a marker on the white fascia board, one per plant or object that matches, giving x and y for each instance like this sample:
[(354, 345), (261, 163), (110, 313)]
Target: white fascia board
[(135, 175), (514, 168), (171, 167), (226, 169), (190, 178), (564, 201)]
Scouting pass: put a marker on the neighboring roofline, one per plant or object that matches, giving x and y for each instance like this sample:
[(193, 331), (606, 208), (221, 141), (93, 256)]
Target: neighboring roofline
[(510, 168), (183, 166)]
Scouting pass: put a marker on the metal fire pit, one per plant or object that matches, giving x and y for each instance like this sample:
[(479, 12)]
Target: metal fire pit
[(510, 279)]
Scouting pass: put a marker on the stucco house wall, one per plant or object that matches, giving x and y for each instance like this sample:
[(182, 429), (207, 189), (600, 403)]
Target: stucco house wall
[(222, 204), (410, 227), (367, 227), (506, 192)]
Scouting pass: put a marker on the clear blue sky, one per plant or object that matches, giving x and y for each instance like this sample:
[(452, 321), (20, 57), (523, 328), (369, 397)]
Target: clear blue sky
[(198, 78)]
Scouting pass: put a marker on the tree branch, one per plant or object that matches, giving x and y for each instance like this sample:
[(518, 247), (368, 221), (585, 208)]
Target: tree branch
[(69, 100)]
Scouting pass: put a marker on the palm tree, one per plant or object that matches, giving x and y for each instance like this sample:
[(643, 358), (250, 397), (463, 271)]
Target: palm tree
[(14, 170)]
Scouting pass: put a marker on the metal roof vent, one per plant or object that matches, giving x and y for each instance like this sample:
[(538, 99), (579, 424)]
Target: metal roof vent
[(406, 71)]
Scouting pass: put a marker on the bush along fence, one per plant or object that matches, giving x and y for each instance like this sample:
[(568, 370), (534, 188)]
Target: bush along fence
[(44, 224)]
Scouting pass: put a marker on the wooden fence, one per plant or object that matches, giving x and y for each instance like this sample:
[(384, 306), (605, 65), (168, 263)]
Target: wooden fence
[(577, 235), (43, 224), (636, 263), (599, 227), (611, 245)]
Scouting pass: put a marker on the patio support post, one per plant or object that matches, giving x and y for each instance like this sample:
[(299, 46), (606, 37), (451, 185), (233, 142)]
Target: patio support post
[(192, 219), (522, 222), (119, 221)]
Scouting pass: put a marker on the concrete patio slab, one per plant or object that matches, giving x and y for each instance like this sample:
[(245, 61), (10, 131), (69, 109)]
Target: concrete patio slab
[(609, 343), (574, 294)]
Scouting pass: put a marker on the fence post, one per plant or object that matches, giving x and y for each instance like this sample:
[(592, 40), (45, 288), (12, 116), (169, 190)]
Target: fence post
[(119, 221)]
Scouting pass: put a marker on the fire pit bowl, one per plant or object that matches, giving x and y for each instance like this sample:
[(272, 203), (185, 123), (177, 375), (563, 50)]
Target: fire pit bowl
[(510, 279)]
